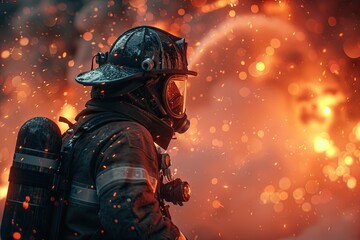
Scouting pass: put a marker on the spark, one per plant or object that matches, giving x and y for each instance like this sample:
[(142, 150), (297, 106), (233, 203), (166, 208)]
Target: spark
[(71, 63), (284, 183), (321, 144), (87, 36), (348, 160), (5, 54), (299, 193), (214, 181), (356, 131), (327, 111), (16, 236), (217, 204), (24, 41), (181, 11), (232, 13), (306, 207), (351, 183), (260, 66), (254, 8)]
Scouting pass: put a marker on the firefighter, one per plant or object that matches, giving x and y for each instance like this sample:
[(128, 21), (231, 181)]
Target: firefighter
[(138, 97)]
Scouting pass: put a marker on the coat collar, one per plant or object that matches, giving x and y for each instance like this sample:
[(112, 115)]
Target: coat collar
[(161, 132)]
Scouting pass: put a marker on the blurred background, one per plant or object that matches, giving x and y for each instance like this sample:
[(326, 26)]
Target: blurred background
[(273, 148)]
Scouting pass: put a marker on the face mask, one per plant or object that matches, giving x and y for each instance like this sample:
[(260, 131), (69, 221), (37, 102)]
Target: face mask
[(174, 96), (172, 107)]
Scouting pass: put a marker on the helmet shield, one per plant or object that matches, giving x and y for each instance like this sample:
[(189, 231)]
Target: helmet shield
[(175, 95)]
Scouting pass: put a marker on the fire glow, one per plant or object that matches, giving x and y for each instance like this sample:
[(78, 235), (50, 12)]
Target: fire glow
[(273, 147)]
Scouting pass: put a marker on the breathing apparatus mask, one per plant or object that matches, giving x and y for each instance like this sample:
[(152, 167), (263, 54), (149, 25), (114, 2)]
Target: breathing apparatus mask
[(167, 99), (174, 98)]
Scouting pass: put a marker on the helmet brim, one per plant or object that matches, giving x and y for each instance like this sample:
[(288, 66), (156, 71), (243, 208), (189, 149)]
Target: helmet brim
[(110, 74)]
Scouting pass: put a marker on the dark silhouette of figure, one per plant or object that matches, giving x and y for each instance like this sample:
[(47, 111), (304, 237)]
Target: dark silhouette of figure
[(137, 99)]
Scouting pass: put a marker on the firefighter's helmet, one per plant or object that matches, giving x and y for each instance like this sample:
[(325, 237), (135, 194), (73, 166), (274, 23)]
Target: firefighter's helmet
[(139, 52)]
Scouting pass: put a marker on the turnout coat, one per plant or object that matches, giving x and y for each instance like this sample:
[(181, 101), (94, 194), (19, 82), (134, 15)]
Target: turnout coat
[(115, 175)]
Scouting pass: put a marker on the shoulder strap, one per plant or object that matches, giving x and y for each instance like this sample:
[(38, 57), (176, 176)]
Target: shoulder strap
[(65, 120)]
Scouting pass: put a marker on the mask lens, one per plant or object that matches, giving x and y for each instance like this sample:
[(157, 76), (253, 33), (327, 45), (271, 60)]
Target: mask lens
[(175, 95)]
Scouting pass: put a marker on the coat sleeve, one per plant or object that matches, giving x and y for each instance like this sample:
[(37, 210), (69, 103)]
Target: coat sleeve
[(126, 180)]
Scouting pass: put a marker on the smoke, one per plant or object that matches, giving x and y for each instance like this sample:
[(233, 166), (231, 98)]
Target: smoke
[(330, 226), (258, 106)]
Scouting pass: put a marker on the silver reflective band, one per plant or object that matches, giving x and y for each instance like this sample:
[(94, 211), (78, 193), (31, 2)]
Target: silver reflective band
[(124, 174), (83, 194), (36, 161), (22, 202)]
